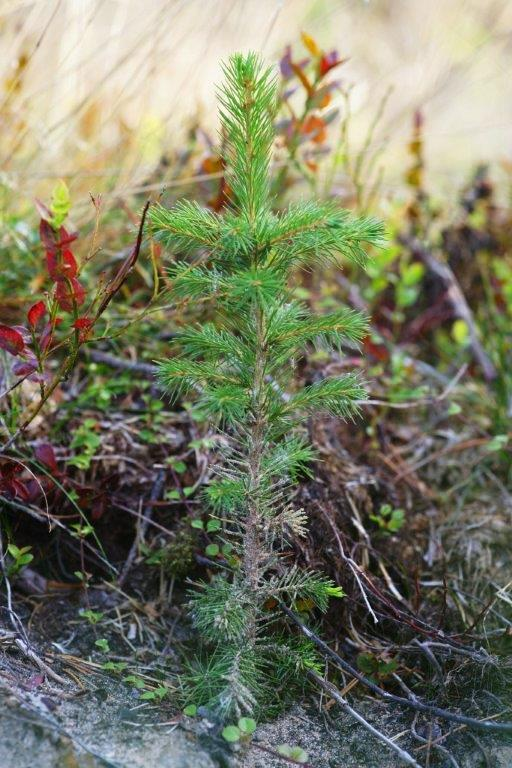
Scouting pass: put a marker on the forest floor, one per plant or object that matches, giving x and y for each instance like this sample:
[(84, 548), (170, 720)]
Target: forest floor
[(96, 720), (110, 644)]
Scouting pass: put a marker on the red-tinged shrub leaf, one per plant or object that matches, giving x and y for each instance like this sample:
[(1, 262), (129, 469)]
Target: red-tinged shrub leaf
[(24, 368), (11, 340), (82, 322), (61, 264), (328, 62), (66, 237), (45, 454), (69, 293), (54, 240), (375, 350), (36, 312), (9, 483), (314, 127), (47, 334), (84, 325), (47, 236)]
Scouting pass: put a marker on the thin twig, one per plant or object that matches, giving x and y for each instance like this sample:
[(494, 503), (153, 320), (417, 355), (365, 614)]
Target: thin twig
[(144, 521), (429, 743), (415, 704), (147, 370), (457, 300), (332, 691)]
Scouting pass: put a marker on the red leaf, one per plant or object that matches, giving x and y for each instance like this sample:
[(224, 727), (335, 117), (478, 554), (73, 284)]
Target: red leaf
[(84, 325), (53, 240), (24, 368), (61, 264), (66, 237), (69, 293), (9, 483), (36, 313), (46, 455), (328, 62), (11, 340), (47, 235)]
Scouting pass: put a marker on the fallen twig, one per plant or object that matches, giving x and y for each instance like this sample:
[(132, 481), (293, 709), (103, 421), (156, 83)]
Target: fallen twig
[(332, 691), (457, 300), (415, 704), (144, 520), (147, 370), (428, 743)]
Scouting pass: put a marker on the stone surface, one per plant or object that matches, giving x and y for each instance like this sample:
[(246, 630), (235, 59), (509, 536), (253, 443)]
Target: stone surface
[(123, 736)]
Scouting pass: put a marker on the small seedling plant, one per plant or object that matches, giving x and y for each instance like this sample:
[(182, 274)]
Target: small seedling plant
[(242, 367)]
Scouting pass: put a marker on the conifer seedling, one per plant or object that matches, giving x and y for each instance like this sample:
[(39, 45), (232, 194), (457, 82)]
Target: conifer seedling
[(241, 368)]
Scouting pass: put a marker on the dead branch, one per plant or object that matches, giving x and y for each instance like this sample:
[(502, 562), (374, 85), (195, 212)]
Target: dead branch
[(332, 691), (415, 704), (144, 369), (457, 300), (143, 523)]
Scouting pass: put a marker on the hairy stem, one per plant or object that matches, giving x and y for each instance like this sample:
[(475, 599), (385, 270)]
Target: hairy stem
[(252, 543)]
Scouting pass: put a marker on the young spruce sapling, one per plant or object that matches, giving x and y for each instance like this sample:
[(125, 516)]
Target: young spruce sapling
[(241, 367)]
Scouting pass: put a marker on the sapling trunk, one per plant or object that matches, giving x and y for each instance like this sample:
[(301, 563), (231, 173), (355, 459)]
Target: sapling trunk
[(242, 367)]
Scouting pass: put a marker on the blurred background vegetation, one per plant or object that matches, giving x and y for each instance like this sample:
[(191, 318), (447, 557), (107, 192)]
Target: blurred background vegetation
[(98, 91)]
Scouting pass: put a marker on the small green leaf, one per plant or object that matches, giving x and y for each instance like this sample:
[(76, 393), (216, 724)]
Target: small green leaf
[(102, 644), (61, 203), (114, 666), (412, 273), (247, 725), (454, 409), (212, 550), (197, 524), (497, 443), (93, 617), (460, 332), (299, 755), (213, 525), (231, 733), (367, 663), (190, 710)]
